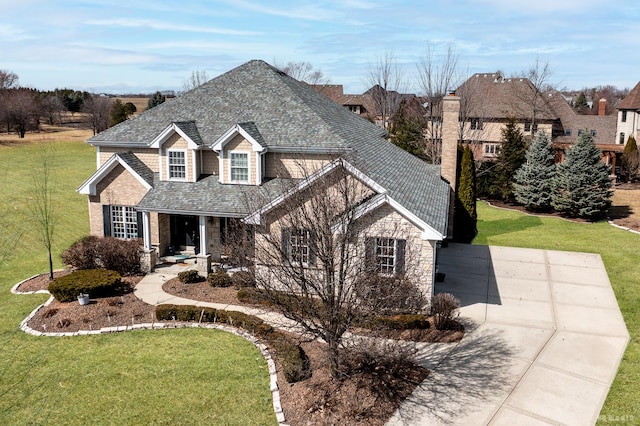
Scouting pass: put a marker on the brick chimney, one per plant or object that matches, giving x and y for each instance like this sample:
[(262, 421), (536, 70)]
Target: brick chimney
[(450, 134), (602, 106)]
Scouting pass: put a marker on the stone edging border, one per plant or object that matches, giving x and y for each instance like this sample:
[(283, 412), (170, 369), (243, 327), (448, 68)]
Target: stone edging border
[(273, 376)]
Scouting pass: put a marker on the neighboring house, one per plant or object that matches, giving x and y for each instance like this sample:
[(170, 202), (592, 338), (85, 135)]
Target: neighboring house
[(629, 117), (490, 100), (179, 174)]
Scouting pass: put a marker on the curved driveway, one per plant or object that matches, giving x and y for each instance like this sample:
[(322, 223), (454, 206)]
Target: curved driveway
[(544, 340)]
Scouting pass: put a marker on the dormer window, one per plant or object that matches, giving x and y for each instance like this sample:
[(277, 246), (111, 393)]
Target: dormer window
[(239, 167), (177, 165)]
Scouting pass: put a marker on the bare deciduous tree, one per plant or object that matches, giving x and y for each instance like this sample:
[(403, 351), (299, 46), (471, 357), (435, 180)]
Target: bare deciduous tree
[(437, 77), (303, 71), (22, 110), (42, 204), (197, 78), (316, 261), (97, 109), (8, 79), (530, 95), (387, 83)]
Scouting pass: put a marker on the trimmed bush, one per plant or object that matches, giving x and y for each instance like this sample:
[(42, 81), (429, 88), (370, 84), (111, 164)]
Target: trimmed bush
[(219, 279), (243, 279), (444, 307), (122, 256), (293, 360), (189, 277), (95, 282)]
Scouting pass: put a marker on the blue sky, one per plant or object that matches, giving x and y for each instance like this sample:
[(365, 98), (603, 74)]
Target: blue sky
[(140, 46)]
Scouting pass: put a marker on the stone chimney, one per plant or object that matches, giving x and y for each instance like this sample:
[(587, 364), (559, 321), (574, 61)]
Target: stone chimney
[(450, 134), (602, 106)]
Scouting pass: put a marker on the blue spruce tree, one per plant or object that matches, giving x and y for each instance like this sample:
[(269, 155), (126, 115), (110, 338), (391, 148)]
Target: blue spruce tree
[(534, 179), (582, 187)]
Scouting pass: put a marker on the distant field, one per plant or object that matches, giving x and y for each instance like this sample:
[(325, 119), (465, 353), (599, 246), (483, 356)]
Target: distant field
[(140, 103)]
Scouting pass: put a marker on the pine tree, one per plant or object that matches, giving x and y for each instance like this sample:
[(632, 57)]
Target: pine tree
[(465, 213), (534, 179), (630, 159), (582, 187), (156, 100), (512, 156), (580, 103), (407, 132)]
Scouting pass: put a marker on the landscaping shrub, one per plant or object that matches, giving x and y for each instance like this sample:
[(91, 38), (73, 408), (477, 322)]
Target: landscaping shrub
[(110, 253), (444, 307), (293, 360), (190, 276), (243, 279), (82, 254), (219, 279), (95, 282), (381, 295)]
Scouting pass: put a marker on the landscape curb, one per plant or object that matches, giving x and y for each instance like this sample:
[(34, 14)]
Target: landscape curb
[(273, 374)]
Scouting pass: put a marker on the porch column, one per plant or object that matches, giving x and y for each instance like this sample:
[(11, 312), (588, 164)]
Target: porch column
[(148, 257), (146, 230), (203, 258)]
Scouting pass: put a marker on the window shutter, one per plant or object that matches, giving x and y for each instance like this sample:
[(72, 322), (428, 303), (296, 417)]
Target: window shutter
[(285, 247), (400, 250), (106, 219), (369, 253), (140, 225), (313, 244)]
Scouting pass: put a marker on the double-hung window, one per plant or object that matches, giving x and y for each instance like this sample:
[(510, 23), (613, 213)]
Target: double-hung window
[(177, 165), (297, 245), (239, 167), (385, 255), (124, 222)]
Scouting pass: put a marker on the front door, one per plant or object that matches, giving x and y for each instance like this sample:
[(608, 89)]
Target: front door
[(185, 232)]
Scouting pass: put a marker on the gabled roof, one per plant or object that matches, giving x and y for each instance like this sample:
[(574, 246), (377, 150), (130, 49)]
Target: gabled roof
[(247, 130), (492, 96), (186, 129), (127, 160), (292, 117), (604, 126), (632, 100)]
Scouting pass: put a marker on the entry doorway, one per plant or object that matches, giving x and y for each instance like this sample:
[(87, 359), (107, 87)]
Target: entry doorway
[(185, 233)]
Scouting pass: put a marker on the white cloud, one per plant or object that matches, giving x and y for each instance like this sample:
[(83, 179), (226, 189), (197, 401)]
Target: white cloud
[(164, 26)]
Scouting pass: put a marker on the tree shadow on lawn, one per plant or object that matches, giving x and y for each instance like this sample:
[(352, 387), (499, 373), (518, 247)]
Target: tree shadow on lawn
[(620, 212), (474, 376), (506, 226)]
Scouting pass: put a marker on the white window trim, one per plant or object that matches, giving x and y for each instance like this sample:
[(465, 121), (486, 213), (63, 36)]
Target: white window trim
[(395, 255), (293, 233), (485, 149), (247, 154), (186, 165), (123, 211)]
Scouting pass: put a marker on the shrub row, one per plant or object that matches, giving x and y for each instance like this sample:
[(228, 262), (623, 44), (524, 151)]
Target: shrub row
[(95, 282), (294, 362), (122, 256)]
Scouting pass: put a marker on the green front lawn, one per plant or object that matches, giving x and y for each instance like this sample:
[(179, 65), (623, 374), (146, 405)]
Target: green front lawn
[(619, 250), (185, 376)]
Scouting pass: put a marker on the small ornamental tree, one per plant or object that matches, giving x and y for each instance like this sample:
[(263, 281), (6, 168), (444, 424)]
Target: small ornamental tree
[(582, 186), (534, 179), (156, 100), (465, 213), (630, 159), (512, 156)]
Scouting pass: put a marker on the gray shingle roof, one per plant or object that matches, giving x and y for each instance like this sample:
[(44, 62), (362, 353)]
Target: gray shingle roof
[(251, 128), (289, 115), (208, 196), (632, 100), (137, 165), (191, 130)]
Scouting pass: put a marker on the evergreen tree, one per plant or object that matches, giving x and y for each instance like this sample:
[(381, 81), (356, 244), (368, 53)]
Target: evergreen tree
[(407, 131), (580, 103), (534, 179), (630, 159), (582, 187), (117, 113), (465, 213), (156, 100), (511, 157)]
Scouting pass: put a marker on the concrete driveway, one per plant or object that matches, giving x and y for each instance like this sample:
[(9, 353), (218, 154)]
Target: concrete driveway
[(544, 340)]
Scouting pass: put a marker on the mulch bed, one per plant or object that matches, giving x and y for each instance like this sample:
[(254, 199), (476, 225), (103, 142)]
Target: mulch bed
[(358, 398)]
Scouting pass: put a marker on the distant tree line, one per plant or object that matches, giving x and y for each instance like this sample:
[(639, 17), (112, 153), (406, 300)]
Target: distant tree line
[(24, 109)]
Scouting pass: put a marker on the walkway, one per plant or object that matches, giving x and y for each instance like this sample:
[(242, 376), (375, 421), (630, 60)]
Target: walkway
[(544, 340)]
